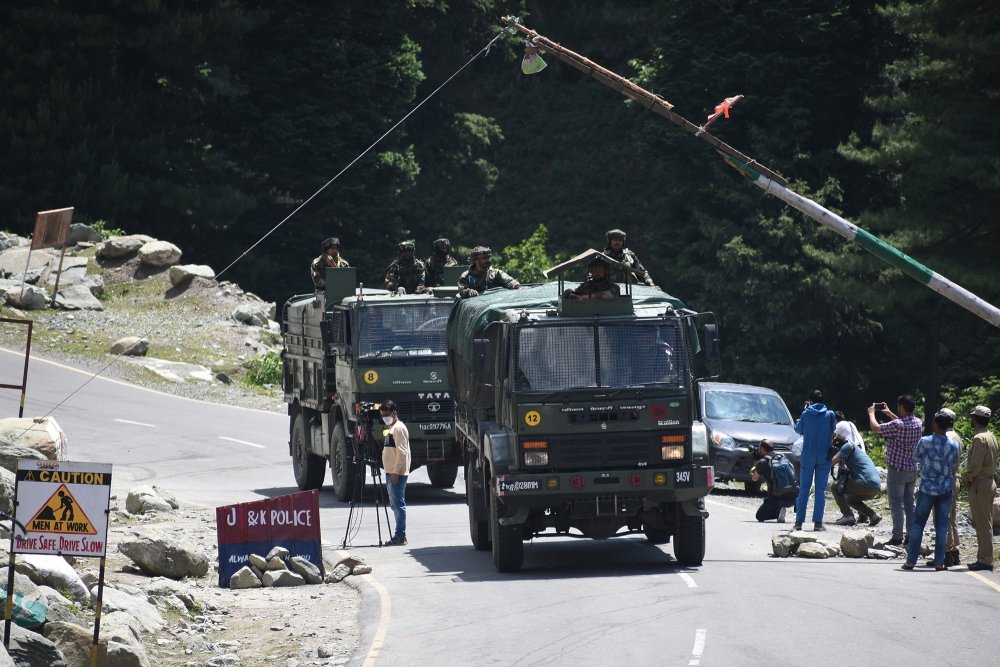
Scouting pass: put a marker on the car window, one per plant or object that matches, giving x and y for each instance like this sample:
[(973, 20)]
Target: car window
[(746, 406)]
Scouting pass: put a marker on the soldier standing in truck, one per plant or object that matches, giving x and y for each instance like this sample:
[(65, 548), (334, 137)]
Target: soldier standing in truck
[(597, 285), (481, 276), (440, 258), (631, 269), (406, 272), (330, 258)]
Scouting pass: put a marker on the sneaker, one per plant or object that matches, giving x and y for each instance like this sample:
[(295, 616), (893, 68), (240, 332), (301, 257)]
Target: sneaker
[(862, 518), (781, 515), (397, 542), (818, 526), (797, 526), (980, 566), (895, 542), (874, 520), (846, 520), (951, 559)]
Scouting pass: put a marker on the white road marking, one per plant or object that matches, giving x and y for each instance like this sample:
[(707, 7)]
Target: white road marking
[(126, 421), (242, 442), (732, 507), (989, 582), (687, 579), (699, 646)]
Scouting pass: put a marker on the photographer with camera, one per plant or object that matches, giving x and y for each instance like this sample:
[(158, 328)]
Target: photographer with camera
[(396, 463), (857, 482), (901, 436), (782, 487)]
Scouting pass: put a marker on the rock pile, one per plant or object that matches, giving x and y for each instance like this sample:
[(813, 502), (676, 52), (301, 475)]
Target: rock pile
[(854, 543)]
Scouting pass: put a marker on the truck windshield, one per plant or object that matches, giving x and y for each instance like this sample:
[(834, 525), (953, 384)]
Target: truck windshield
[(746, 406), (403, 329), (620, 355)]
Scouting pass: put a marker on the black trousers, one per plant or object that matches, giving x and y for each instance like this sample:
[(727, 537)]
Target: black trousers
[(771, 507)]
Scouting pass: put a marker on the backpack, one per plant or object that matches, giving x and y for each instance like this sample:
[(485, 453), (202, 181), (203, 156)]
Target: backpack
[(782, 482)]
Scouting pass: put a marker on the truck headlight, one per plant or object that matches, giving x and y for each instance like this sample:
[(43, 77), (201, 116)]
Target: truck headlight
[(536, 458)]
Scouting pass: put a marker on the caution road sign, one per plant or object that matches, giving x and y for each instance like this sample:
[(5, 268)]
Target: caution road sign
[(63, 506)]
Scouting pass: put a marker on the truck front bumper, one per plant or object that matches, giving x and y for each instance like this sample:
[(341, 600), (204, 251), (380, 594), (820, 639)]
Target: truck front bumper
[(545, 489)]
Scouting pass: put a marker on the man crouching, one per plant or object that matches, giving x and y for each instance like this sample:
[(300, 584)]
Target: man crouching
[(782, 488)]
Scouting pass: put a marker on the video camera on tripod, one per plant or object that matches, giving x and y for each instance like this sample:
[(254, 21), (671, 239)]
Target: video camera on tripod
[(366, 449)]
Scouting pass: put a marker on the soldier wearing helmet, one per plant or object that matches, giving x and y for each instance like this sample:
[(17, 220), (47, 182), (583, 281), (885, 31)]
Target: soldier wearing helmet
[(330, 258), (597, 285), (437, 261), (633, 270), (406, 272), (481, 276)]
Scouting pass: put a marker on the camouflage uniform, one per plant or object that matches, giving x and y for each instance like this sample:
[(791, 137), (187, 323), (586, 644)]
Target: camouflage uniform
[(409, 275), (318, 269), (435, 268), (594, 288), (473, 284)]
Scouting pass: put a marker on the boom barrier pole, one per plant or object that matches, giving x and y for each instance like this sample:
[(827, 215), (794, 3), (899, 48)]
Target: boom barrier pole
[(767, 180)]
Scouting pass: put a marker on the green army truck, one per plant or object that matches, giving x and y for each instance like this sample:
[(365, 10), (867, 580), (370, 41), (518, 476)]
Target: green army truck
[(348, 346), (581, 416)]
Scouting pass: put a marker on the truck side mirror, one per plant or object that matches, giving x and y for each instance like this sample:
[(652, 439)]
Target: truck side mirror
[(711, 340)]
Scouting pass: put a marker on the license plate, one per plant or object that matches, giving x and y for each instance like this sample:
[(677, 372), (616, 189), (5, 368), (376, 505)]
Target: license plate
[(505, 486), (682, 478)]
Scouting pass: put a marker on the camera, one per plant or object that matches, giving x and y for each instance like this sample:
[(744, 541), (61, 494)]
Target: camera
[(367, 411), (880, 406)]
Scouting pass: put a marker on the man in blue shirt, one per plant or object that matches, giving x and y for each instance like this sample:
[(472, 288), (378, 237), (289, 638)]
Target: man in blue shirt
[(936, 456), (816, 428), (863, 484)]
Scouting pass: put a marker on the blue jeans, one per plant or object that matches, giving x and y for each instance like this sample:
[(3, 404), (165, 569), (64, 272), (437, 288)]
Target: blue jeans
[(397, 501), (926, 502), (900, 485), (812, 469)]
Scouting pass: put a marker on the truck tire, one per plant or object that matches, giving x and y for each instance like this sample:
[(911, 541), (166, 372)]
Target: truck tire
[(443, 475), (656, 535), (309, 469), (689, 541), (343, 470), (479, 525), (508, 547)]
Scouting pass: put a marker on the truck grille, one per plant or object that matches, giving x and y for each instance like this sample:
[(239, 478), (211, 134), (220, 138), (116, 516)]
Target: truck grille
[(426, 410), (605, 450)]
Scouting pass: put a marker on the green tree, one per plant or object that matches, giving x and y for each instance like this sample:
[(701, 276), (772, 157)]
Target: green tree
[(526, 260)]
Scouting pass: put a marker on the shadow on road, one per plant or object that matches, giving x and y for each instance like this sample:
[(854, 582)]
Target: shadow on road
[(558, 558)]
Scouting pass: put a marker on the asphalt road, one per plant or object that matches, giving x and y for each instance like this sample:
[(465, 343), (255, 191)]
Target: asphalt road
[(576, 602)]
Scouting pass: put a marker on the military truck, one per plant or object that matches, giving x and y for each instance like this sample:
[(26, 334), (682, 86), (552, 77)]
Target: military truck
[(348, 346), (581, 416)]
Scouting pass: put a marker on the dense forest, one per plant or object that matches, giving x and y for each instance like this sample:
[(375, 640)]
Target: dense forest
[(209, 122)]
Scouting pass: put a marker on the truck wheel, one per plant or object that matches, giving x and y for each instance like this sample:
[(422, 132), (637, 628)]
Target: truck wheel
[(479, 526), (343, 470), (656, 535), (689, 542), (443, 475), (309, 469), (508, 547)]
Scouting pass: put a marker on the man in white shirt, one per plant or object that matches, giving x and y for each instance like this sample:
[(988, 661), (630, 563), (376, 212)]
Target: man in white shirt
[(396, 464)]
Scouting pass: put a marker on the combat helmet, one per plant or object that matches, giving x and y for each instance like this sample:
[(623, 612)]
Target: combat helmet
[(406, 245), (331, 242), (616, 234), (479, 252), (442, 243), (598, 261)]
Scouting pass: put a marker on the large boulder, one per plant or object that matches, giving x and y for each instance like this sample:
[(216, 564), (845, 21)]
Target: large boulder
[(27, 297), (79, 232), (164, 555), (254, 314), (7, 480), (14, 261), (42, 434), (120, 247), (131, 346), (142, 499), (855, 543), (53, 571), (75, 642), (134, 606), (9, 454), (77, 297), (182, 274), (30, 649), (159, 253)]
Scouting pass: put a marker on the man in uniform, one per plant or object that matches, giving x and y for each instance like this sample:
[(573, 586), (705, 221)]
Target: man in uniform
[(597, 285), (633, 270), (330, 258), (978, 478), (406, 272), (481, 276), (437, 261)]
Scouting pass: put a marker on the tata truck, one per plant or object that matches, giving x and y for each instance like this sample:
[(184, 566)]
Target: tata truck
[(580, 418), (347, 348)]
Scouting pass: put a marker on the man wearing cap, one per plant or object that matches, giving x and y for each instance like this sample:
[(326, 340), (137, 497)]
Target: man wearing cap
[(951, 554), (979, 471), (597, 285), (632, 270), (330, 258), (481, 276), (406, 272), (437, 261)]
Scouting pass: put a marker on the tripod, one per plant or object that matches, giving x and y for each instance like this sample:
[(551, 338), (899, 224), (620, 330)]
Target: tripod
[(365, 448)]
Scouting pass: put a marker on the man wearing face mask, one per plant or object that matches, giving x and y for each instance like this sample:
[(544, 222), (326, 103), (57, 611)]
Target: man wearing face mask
[(396, 463)]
